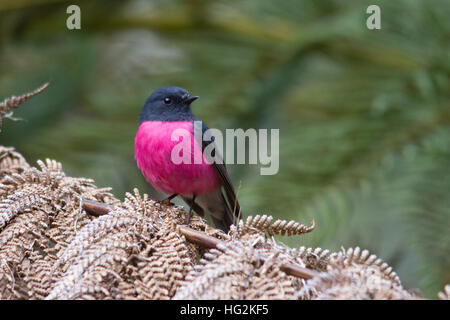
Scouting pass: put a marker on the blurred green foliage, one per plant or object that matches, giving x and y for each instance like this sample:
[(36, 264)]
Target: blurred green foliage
[(363, 115)]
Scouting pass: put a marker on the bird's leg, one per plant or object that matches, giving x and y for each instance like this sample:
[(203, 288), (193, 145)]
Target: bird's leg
[(166, 201), (189, 215)]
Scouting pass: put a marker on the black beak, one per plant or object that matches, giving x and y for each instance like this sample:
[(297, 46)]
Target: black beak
[(190, 99)]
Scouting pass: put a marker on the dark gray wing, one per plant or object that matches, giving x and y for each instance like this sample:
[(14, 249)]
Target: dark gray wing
[(223, 174)]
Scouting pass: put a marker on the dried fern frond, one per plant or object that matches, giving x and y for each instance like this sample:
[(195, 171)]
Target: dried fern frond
[(14, 102), (20, 201), (279, 227), (315, 258), (132, 252), (248, 268), (40, 213), (356, 256), (363, 283), (51, 249), (30, 188), (353, 274), (11, 161), (164, 271)]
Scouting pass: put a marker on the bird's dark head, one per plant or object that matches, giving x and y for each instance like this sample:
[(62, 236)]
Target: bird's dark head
[(168, 104)]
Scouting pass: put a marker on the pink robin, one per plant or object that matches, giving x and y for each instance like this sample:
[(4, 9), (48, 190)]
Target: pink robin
[(198, 184)]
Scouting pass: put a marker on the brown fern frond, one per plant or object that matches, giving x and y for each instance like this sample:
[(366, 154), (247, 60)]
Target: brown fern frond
[(139, 249), (164, 271), (14, 102), (221, 274), (17, 242), (279, 227), (40, 211), (132, 252), (93, 232), (355, 284), (20, 201), (315, 258), (11, 161), (246, 268), (363, 258)]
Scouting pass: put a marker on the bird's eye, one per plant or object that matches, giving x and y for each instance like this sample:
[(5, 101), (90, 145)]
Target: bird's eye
[(167, 100)]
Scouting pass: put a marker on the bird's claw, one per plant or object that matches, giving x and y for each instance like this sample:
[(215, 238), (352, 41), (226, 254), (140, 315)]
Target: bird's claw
[(187, 219), (167, 202)]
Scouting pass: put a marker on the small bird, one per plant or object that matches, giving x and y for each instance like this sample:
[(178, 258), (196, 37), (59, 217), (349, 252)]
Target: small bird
[(198, 184)]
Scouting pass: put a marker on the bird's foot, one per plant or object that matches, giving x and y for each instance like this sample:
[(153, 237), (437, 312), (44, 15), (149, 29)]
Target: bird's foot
[(187, 219), (167, 202)]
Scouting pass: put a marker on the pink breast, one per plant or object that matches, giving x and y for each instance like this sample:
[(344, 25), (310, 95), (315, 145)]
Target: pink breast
[(153, 149)]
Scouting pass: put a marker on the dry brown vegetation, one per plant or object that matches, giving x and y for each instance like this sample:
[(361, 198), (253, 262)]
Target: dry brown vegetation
[(52, 246)]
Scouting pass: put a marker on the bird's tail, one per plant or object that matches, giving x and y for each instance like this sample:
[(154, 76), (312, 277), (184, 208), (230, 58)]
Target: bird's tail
[(226, 219), (224, 223), (220, 210)]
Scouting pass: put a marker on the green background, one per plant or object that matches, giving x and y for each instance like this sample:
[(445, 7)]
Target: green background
[(363, 115)]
